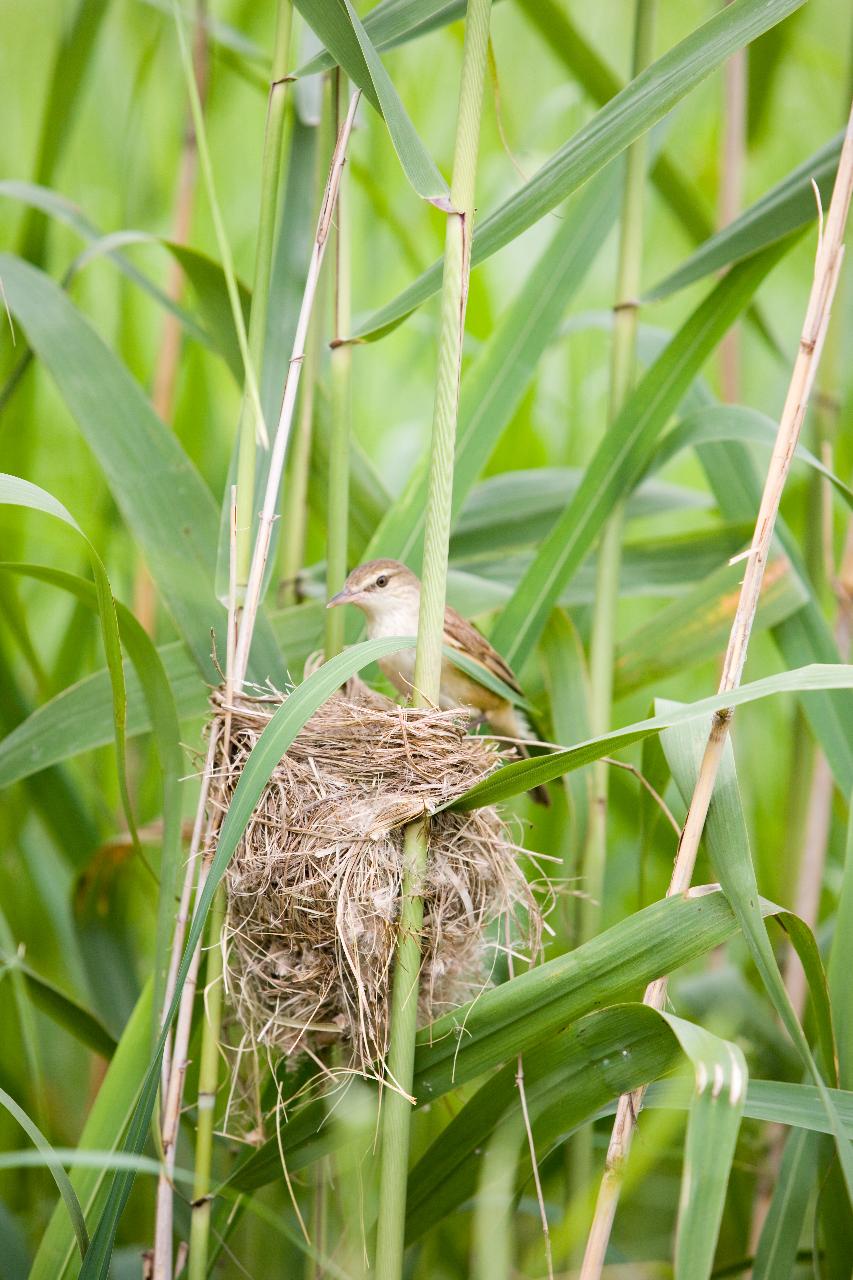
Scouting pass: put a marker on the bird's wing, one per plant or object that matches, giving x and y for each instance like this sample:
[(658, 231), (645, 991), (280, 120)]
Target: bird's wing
[(463, 635)]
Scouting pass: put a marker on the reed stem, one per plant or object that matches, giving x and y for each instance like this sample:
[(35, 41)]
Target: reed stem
[(168, 354), (404, 1003), (295, 500), (826, 272), (254, 587), (603, 633), (295, 515), (731, 197), (251, 426), (208, 1084), (622, 374), (206, 165), (341, 373)]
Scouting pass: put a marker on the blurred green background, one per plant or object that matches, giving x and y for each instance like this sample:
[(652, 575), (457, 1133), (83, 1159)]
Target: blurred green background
[(86, 923)]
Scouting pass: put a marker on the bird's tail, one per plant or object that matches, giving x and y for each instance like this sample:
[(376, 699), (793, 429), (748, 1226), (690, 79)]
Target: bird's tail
[(511, 722)]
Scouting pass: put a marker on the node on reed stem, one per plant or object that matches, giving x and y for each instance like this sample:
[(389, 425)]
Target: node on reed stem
[(337, 525), (457, 262), (602, 648), (827, 268), (251, 425)]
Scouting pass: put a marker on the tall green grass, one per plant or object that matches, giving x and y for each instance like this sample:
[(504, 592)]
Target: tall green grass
[(586, 519)]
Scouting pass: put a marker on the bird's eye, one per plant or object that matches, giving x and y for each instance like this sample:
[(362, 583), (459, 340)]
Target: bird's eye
[(382, 580)]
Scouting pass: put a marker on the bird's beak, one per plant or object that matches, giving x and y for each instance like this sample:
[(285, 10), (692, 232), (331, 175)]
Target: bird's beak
[(343, 597)]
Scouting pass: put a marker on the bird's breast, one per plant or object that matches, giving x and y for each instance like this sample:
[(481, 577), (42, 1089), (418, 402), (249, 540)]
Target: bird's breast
[(400, 669)]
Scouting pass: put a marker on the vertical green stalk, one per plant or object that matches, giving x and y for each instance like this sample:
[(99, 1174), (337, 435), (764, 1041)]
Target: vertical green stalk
[(294, 522), (341, 372), (271, 166), (404, 1001), (603, 634), (491, 1236), (622, 371), (208, 1084), (250, 423)]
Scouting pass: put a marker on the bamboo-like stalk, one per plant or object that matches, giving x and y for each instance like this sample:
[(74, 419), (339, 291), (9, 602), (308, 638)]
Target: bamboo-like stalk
[(603, 632), (183, 915), (208, 1084), (249, 370), (827, 268), (622, 374), (491, 1244), (251, 426), (252, 600), (822, 788), (172, 1082), (172, 1110), (731, 198), (166, 367), (173, 1092), (208, 1080), (337, 525), (396, 1119), (174, 1068), (295, 498), (295, 516)]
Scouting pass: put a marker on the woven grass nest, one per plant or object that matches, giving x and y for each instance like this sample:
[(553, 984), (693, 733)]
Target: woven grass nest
[(314, 886)]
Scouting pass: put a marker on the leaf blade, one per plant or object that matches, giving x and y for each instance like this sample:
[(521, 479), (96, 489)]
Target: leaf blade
[(623, 119)]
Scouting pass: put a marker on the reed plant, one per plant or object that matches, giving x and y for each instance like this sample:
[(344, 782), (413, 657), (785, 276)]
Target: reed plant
[(625, 487)]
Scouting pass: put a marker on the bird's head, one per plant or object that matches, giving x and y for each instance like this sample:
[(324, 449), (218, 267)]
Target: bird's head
[(379, 586)]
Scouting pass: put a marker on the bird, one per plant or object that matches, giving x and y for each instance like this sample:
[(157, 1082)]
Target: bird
[(389, 595)]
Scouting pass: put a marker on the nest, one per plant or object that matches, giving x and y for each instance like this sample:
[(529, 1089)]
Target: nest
[(314, 886)]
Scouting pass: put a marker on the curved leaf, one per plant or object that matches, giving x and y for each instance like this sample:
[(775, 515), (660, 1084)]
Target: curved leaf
[(494, 385), (712, 1129), (626, 117), (339, 27), (531, 1010), (57, 206), (163, 718), (789, 205), (609, 1052), (513, 779), (20, 493), (171, 514), (106, 1121), (718, 423), (51, 1161), (63, 1009), (623, 455)]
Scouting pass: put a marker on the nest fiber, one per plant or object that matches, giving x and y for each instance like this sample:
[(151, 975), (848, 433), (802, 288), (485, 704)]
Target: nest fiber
[(314, 887)]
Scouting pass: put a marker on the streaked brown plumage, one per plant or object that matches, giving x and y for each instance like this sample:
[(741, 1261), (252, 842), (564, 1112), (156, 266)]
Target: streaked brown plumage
[(389, 595)]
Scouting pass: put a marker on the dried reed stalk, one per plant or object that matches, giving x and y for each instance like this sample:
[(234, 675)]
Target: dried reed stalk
[(252, 427), (279, 449), (238, 659), (828, 261), (337, 522)]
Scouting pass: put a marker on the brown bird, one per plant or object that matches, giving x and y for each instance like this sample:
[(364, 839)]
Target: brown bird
[(389, 595)]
